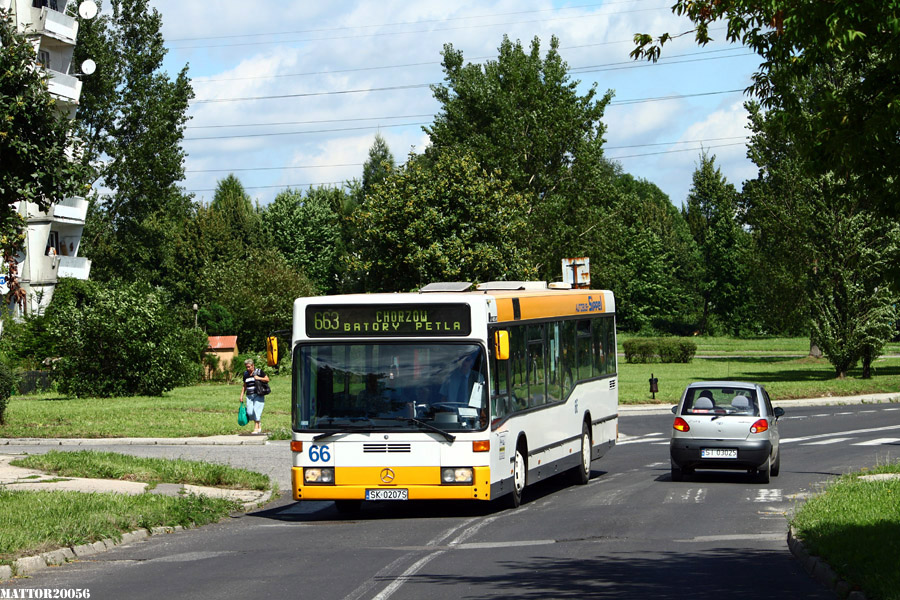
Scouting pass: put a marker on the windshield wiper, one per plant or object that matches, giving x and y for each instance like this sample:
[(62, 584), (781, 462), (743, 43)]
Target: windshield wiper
[(447, 435), (347, 429)]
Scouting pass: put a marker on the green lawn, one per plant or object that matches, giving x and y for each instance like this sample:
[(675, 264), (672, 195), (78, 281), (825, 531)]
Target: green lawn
[(110, 465), (201, 410), (784, 378), (211, 409), (855, 526)]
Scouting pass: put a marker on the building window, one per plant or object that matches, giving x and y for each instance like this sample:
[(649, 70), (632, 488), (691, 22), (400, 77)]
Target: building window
[(51, 4)]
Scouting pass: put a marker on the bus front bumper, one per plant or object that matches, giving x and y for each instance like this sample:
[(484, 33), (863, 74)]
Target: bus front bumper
[(420, 483)]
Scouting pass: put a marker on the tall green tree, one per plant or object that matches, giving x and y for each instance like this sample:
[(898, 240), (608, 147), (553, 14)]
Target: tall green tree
[(711, 215), (442, 218), (308, 231), (34, 137), (521, 115), (132, 118), (853, 128), (233, 206)]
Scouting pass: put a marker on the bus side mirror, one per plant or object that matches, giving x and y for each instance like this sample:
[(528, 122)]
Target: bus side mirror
[(272, 351), (501, 345)]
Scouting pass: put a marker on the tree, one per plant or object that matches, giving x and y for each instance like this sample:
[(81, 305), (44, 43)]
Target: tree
[(844, 282), (851, 129), (132, 118), (379, 164), (522, 117), (854, 313), (308, 231), (258, 290), (121, 339), (443, 218), (34, 140), (243, 226), (650, 240), (711, 215)]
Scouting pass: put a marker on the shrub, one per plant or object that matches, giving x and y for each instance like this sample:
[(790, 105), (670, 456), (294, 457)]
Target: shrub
[(676, 350), (118, 339), (640, 350), (667, 350)]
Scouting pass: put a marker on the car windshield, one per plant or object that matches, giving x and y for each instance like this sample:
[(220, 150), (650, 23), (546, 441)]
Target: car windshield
[(724, 401), (390, 386)]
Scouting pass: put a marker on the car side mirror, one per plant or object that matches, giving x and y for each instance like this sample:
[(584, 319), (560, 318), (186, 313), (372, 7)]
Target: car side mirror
[(779, 412), (675, 409)]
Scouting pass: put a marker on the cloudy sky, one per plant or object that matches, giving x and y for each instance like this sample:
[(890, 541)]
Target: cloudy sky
[(293, 93)]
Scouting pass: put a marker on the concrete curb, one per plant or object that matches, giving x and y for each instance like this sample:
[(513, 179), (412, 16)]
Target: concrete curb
[(214, 440), (29, 565), (821, 571)]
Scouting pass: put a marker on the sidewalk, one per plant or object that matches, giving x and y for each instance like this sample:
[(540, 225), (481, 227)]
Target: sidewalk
[(212, 440)]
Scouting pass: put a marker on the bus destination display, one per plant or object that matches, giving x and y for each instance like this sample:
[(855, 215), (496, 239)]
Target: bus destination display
[(381, 320)]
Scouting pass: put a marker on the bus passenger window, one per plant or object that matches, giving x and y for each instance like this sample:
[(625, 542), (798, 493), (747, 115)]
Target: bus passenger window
[(518, 368), (536, 366), (583, 347), (567, 362), (599, 346)]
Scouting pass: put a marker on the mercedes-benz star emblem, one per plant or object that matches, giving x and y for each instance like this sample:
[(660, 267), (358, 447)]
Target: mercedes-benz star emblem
[(387, 475)]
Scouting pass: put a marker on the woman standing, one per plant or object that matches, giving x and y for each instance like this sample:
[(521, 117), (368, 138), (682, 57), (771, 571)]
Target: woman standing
[(255, 400)]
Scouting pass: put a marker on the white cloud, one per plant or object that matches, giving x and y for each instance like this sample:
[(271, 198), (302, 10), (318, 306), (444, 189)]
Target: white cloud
[(274, 48)]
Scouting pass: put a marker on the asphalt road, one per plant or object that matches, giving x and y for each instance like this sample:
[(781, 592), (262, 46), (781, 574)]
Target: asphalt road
[(630, 533)]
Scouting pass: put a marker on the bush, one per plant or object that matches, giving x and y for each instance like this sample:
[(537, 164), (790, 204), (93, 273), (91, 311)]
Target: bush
[(667, 350), (7, 385), (640, 350), (676, 350), (118, 339)]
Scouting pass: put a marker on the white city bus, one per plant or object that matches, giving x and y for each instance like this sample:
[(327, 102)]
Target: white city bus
[(450, 393)]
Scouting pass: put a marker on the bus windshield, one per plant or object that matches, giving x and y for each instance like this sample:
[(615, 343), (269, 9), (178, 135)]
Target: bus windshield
[(390, 386)]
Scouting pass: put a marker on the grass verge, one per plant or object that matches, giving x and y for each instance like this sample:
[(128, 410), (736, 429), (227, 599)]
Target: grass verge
[(35, 522), (110, 465), (855, 527), (211, 409), (784, 377)]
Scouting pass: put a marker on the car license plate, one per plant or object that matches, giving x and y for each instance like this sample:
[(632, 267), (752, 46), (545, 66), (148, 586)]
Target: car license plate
[(387, 494), (718, 453)]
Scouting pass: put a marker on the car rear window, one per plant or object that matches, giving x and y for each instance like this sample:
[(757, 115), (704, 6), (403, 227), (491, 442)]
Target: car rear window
[(721, 401)]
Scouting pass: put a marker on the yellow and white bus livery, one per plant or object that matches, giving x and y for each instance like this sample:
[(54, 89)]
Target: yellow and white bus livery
[(450, 393)]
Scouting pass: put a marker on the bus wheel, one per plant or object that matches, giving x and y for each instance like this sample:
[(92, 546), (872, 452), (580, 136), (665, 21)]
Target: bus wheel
[(348, 507), (583, 472), (519, 469)]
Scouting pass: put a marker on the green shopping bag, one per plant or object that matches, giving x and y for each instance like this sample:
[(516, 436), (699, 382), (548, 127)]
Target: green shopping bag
[(242, 415)]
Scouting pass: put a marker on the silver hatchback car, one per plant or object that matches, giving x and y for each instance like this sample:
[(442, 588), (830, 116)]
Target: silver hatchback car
[(725, 425)]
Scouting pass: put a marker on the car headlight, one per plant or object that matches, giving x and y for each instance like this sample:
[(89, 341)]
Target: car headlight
[(318, 475), (457, 475)]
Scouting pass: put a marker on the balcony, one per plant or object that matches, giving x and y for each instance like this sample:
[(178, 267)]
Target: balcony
[(71, 209), (72, 266), (57, 25), (64, 87)]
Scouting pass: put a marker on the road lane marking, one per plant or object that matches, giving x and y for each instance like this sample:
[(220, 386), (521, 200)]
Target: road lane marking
[(826, 442), (689, 495), (768, 495), (878, 442), (838, 433)]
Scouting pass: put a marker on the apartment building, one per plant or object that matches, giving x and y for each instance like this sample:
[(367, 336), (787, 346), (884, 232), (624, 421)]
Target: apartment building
[(53, 237)]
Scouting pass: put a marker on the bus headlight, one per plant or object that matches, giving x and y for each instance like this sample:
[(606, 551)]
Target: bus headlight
[(318, 475), (457, 475)]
